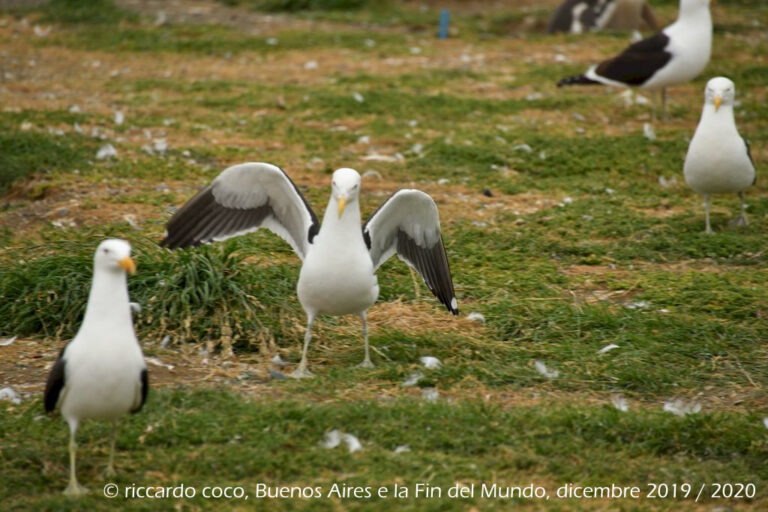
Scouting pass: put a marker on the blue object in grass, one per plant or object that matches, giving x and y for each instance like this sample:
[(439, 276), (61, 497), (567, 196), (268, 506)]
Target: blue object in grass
[(445, 20)]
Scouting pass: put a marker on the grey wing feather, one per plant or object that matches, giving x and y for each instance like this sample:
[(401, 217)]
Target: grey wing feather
[(408, 224), (244, 198)]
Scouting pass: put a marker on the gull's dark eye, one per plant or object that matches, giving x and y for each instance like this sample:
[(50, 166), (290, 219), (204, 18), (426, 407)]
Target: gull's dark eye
[(106, 251)]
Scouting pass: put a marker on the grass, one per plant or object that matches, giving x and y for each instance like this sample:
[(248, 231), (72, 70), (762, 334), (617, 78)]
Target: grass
[(564, 248), (23, 154), (279, 443)]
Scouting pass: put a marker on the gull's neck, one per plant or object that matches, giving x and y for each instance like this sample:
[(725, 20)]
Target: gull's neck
[(348, 223), (108, 303), (697, 16), (724, 116)]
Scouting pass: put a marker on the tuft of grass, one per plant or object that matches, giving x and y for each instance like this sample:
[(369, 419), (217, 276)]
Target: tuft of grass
[(201, 294)]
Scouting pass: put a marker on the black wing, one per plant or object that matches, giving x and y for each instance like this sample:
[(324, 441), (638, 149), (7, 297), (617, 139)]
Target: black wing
[(244, 198), (749, 154), (749, 151), (408, 224), (55, 383), (638, 63), (144, 382)]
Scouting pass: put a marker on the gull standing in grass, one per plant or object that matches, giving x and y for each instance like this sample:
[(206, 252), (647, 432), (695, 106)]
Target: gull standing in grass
[(339, 259), (101, 374), (675, 55), (718, 159)]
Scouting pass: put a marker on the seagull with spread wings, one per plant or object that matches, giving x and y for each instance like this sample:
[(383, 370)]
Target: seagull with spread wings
[(338, 274)]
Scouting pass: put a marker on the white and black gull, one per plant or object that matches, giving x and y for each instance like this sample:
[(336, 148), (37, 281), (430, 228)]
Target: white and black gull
[(101, 373), (579, 16), (718, 159), (339, 260), (676, 55)]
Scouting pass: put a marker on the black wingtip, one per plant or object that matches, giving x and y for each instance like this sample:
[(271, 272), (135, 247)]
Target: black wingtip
[(54, 384), (576, 80)]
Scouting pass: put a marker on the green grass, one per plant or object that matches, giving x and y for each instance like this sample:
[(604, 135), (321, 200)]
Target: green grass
[(85, 12), (578, 247), (215, 438), (23, 154)]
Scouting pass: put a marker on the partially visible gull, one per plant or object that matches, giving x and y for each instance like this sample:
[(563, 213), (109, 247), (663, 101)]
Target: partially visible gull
[(579, 16), (101, 373), (339, 259), (674, 56), (718, 159)]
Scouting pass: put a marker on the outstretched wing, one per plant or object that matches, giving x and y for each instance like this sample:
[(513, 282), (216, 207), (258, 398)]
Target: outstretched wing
[(244, 198), (408, 224)]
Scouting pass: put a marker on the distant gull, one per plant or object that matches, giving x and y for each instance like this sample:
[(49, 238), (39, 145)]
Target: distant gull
[(718, 159), (676, 55), (339, 259), (580, 16)]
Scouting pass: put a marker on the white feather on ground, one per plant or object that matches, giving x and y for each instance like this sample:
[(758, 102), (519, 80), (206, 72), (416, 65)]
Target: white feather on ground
[(413, 379), (9, 341), (542, 369), (476, 317), (430, 395), (10, 395), (335, 437), (681, 407), (619, 402)]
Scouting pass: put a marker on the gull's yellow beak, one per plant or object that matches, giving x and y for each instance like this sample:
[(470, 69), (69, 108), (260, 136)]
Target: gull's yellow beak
[(342, 204), (128, 264), (718, 102)]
